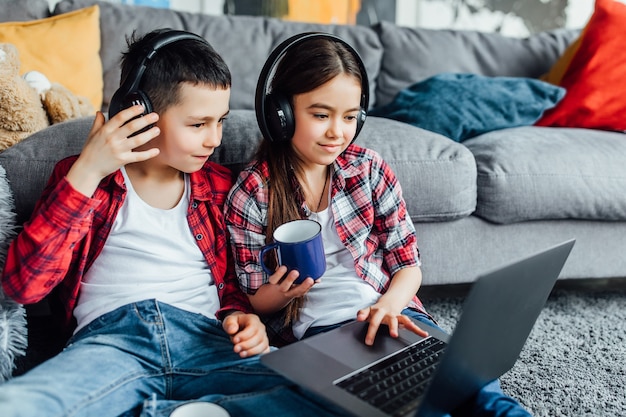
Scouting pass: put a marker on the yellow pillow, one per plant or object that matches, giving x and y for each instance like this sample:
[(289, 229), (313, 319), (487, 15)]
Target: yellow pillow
[(65, 48)]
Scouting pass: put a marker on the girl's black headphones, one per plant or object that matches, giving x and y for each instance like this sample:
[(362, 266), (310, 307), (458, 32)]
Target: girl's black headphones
[(274, 113), (129, 93)]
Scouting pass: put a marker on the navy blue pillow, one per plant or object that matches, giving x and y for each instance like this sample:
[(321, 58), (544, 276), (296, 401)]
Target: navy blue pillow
[(461, 106)]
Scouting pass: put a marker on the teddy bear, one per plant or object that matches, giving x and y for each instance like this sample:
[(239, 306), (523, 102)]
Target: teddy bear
[(30, 103)]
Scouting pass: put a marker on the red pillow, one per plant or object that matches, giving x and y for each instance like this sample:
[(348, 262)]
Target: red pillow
[(595, 79)]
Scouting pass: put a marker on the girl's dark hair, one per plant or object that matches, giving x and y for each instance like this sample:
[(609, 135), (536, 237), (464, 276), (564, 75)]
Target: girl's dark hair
[(186, 60), (303, 68)]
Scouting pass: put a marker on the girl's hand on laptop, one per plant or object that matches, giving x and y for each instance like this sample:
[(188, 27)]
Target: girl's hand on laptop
[(378, 314)]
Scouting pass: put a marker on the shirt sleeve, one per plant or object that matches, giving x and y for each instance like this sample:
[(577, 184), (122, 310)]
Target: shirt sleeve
[(392, 222), (40, 256), (245, 214)]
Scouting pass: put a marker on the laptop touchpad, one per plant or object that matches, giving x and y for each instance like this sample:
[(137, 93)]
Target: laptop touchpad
[(347, 344)]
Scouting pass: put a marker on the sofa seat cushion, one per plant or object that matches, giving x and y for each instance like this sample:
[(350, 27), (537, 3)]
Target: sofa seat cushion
[(536, 173), (437, 175), (244, 42)]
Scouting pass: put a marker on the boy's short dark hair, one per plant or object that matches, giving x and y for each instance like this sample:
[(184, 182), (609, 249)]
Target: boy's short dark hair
[(186, 60)]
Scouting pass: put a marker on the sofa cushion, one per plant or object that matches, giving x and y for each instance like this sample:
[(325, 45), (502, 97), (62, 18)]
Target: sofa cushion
[(414, 54), (23, 10), (537, 173), (437, 175), (66, 49), (29, 163), (244, 42), (461, 106)]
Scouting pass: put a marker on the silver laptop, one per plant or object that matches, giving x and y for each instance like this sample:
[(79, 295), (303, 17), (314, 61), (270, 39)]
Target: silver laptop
[(415, 376)]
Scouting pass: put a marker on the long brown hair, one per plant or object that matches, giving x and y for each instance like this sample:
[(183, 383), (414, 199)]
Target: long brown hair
[(303, 68)]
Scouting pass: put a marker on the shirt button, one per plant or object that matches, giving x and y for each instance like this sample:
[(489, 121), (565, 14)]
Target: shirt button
[(220, 286), (199, 236), (195, 204)]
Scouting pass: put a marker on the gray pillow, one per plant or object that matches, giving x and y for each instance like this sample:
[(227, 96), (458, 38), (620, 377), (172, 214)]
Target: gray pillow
[(414, 54), (24, 10)]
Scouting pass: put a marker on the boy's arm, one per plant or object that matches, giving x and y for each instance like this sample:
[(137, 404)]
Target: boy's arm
[(40, 255), (39, 258)]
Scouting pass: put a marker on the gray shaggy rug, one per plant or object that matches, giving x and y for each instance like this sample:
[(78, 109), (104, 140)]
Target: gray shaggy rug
[(574, 361), (12, 315)]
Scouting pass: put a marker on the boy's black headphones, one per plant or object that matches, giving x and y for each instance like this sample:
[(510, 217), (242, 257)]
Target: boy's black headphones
[(274, 113), (129, 93)]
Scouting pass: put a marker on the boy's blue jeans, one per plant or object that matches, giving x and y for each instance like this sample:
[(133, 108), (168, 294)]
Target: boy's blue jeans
[(151, 350)]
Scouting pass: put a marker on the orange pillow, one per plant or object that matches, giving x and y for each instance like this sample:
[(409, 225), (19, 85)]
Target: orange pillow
[(595, 76), (65, 48)]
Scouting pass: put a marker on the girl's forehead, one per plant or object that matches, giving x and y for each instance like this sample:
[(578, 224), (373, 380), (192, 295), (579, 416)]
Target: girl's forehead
[(344, 88)]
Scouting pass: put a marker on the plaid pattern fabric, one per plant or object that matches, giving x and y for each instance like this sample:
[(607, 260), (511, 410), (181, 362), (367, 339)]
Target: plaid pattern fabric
[(370, 216), (68, 230)]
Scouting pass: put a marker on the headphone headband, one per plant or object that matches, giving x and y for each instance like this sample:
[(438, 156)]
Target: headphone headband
[(129, 93), (273, 112)]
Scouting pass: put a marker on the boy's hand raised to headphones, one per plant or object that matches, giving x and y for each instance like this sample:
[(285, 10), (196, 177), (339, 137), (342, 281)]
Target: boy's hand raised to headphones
[(109, 147)]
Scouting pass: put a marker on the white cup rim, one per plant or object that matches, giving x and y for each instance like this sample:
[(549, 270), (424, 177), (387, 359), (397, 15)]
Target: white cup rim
[(297, 231)]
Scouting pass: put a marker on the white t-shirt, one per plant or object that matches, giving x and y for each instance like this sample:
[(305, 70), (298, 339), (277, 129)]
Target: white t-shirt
[(341, 293), (149, 254)]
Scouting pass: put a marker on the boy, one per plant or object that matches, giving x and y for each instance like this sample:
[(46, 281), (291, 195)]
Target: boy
[(131, 237)]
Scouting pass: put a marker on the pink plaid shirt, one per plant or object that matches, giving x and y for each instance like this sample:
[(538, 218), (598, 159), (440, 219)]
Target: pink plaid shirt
[(370, 216)]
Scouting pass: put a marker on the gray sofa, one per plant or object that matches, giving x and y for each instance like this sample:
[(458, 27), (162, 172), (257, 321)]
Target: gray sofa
[(475, 204)]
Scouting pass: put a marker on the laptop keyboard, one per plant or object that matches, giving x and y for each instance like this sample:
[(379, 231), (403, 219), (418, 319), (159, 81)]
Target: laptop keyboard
[(397, 383)]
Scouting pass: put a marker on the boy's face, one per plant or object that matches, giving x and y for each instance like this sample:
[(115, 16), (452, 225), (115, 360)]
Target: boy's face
[(326, 120), (192, 129)]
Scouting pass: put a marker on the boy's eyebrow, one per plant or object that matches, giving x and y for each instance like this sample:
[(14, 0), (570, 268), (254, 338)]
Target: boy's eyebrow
[(208, 117)]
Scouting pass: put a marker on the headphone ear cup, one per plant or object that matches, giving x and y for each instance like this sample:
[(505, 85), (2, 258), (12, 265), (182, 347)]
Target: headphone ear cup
[(138, 97), (131, 99), (279, 117), (360, 120), (124, 99)]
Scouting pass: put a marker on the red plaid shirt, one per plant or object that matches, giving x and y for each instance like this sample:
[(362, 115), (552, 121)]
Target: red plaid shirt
[(68, 230), (370, 216)]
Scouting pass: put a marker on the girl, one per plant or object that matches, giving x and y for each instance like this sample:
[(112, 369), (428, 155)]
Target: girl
[(308, 166)]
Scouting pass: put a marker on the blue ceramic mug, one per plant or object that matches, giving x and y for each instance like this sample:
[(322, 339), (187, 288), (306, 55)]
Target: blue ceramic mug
[(299, 246)]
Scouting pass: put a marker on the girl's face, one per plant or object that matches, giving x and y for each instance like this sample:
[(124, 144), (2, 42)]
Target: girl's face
[(326, 120), (192, 128)]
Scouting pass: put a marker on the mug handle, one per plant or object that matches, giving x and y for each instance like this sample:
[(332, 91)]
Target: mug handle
[(264, 250)]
